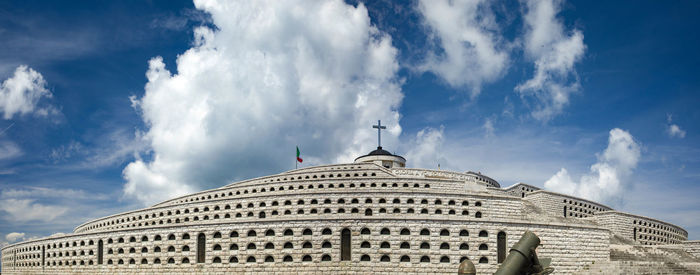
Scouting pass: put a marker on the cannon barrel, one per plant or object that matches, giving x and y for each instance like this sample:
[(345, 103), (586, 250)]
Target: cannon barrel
[(522, 258)]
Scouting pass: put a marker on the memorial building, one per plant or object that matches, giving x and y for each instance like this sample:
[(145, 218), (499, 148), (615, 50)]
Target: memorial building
[(373, 215)]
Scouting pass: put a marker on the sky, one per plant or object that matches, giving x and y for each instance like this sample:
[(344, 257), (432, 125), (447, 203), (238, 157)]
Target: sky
[(108, 107)]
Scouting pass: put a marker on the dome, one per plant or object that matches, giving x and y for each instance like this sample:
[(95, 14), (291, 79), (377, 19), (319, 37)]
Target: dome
[(379, 151), (382, 157)]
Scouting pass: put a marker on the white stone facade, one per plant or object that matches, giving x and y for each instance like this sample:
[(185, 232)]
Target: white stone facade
[(398, 220)]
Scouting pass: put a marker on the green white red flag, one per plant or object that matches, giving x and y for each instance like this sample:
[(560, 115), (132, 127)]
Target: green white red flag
[(298, 154)]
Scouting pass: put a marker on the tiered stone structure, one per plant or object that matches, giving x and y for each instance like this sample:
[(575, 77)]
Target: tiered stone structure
[(371, 216)]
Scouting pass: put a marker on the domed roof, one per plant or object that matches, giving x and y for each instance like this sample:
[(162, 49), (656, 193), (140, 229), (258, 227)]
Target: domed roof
[(380, 152)]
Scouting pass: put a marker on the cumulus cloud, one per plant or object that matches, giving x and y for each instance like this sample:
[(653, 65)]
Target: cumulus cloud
[(270, 76), (469, 50), (606, 179), (554, 53), (20, 94), (14, 236), (23, 210), (425, 150), (673, 130)]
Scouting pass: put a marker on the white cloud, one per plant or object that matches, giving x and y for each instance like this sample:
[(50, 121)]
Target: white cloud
[(21, 93), (54, 209), (14, 236), (489, 129), (7, 172), (23, 210), (470, 49), (516, 154), (43, 193), (607, 177), (9, 150), (673, 130), (554, 53), (119, 145), (64, 152), (148, 184), (179, 22), (111, 147), (273, 75), (425, 150)]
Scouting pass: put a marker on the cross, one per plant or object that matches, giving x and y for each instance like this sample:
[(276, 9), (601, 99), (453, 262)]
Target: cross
[(379, 128)]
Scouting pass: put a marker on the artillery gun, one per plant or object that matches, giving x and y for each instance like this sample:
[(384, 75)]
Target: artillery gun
[(521, 260)]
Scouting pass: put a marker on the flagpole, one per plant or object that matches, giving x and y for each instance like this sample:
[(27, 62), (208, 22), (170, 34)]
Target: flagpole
[(296, 162)]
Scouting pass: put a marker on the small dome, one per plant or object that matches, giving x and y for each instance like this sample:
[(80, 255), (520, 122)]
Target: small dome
[(383, 157), (380, 152)]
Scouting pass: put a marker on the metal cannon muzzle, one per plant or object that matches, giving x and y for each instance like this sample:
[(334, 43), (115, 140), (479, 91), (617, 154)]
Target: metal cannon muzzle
[(522, 258)]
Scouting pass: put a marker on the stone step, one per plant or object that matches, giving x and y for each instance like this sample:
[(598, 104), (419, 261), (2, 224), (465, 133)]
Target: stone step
[(641, 267), (649, 253)]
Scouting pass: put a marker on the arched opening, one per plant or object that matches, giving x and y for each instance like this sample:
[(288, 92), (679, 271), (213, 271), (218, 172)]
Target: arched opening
[(564, 211), (43, 255), (345, 245), (634, 232), (201, 247), (501, 246), (99, 251)]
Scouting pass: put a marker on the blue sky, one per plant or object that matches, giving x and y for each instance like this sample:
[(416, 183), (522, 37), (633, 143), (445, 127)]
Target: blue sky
[(118, 105)]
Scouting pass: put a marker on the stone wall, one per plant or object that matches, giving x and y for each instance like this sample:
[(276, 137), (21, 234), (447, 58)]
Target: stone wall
[(319, 190), (461, 218), (520, 189), (447, 242), (692, 247), (554, 204), (426, 173), (641, 229), (319, 173)]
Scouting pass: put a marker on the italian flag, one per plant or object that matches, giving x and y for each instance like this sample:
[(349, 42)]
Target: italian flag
[(298, 154)]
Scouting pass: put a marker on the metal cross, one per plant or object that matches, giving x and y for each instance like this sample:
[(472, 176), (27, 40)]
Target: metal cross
[(379, 128)]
